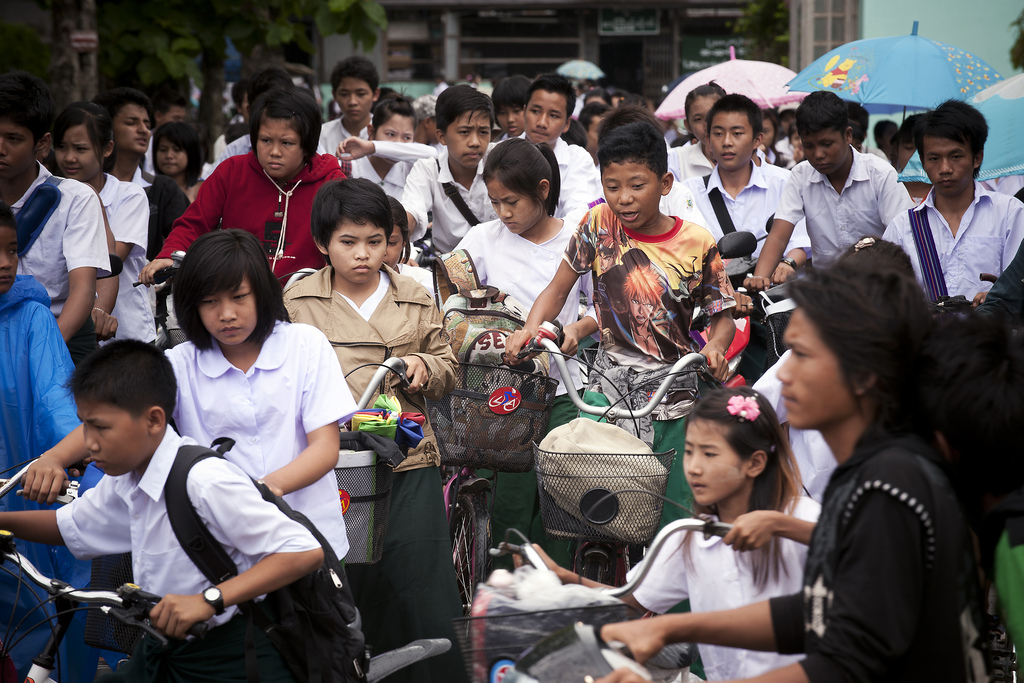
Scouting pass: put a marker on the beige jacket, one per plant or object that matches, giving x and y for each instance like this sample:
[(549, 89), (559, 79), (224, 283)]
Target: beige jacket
[(406, 323)]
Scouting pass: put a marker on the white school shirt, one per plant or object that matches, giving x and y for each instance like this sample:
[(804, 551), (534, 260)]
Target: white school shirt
[(990, 233), (752, 207), (237, 147), (424, 276), (579, 179), (74, 237), (870, 199), (691, 162), (127, 209), (681, 203), (423, 193), (522, 269), (333, 132), (295, 386), (813, 456), (1007, 184), (404, 154), (128, 513), (370, 305), (721, 578)]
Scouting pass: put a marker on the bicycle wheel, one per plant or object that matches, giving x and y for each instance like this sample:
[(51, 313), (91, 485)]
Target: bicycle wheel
[(470, 529), (596, 565)]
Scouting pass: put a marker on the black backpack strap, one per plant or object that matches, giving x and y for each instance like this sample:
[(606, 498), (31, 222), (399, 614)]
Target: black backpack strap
[(36, 212), (718, 204), (202, 548), (452, 193)]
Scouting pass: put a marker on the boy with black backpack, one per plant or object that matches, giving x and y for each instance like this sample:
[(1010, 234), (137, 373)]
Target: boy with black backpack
[(125, 393)]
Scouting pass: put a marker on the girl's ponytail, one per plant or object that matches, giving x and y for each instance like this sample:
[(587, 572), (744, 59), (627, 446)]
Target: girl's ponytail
[(520, 165)]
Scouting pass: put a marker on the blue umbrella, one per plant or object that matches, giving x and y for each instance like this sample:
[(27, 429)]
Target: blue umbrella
[(581, 70), (900, 71)]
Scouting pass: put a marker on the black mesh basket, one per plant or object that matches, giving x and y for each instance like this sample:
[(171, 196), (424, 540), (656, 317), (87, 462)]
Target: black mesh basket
[(575, 488), (364, 485), (110, 572), (488, 641), (776, 324), (482, 423)]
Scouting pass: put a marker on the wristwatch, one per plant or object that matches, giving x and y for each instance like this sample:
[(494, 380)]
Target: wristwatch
[(213, 597), (788, 261)]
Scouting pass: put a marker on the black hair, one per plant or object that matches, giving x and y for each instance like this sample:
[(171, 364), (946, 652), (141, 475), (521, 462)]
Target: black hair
[(355, 66), (7, 217), (217, 262), (711, 89), (595, 93), (880, 128), (357, 200), (778, 486), (559, 85), (633, 98), (511, 93), (97, 124), (165, 98), (617, 117), (115, 100), (400, 218), (738, 104), (128, 374), (874, 319), (638, 142), (184, 137), (457, 100), (268, 79), (386, 91), (906, 132), (26, 101), (857, 134), (591, 111), (878, 252), (238, 92), (575, 134), (856, 112), (953, 120), (520, 165), (295, 105), (821, 111), (395, 105), (971, 390)]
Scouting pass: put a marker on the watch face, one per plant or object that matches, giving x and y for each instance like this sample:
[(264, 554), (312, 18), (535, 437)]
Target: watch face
[(211, 594)]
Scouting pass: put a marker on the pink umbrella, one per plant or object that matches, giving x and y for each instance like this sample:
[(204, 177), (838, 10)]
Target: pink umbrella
[(763, 82)]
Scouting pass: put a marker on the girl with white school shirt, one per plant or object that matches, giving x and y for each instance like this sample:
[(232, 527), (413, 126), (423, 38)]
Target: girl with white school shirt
[(519, 254), (741, 471), (388, 156), (83, 140)]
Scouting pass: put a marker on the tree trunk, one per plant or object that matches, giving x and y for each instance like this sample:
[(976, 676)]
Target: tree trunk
[(211, 102), (89, 61), (73, 76)]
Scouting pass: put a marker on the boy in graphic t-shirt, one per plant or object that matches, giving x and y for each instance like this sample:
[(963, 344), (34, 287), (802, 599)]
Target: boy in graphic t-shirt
[(650, 272)]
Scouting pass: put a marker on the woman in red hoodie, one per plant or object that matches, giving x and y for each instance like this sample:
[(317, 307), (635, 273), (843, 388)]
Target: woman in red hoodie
[(269, 191)]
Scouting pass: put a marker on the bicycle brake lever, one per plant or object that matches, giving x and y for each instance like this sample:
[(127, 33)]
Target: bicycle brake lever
[(716, 528), (135, 617)]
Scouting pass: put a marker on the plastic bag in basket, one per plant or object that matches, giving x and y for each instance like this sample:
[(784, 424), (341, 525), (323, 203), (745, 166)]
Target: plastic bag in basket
[(584, 455), (386, 419)]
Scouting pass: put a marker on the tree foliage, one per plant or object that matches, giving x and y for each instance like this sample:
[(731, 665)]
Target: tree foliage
[(22, 50), (765, 25), (159, 41)]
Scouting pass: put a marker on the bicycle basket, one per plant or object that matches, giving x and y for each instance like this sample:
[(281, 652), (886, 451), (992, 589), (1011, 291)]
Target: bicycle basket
[(493, 642), (492, 417), (364, 484), (573, 486), (110, 572)]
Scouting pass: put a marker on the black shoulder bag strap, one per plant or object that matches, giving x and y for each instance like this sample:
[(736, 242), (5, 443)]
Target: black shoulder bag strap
[(452, 193), (718, 204)]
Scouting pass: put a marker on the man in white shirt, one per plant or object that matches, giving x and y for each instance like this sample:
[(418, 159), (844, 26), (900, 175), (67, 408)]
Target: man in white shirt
[(355, 84), (971, 229), (843, 195), (550, 101)]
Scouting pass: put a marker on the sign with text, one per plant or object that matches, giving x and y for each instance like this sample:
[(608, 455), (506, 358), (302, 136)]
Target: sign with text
[(640, 22), (84, 41), (700, 52)]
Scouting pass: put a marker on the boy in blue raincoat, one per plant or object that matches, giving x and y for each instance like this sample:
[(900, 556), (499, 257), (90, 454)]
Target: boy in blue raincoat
[(36, 411)]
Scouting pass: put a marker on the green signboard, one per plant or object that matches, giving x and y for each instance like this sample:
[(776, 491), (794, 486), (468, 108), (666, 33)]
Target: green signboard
[(640, 22), (700, 52)]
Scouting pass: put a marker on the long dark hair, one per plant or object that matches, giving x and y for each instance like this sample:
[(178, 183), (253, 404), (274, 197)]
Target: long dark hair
[(98, 126), (777, 487), (520, 165)]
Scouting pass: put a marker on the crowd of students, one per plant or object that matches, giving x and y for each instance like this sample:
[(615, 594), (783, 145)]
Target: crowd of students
[(868, 573)]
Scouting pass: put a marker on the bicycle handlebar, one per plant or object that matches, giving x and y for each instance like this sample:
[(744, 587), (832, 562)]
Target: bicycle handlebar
[(8, 485), (393, 364), (129, 604)]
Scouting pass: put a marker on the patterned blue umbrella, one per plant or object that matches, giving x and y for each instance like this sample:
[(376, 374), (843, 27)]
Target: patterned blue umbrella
[(900, 71), (581, 70)]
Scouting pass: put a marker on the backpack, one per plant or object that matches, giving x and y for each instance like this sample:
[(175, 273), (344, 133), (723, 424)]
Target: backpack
[(36, 211), (314, 629), (476, 320)]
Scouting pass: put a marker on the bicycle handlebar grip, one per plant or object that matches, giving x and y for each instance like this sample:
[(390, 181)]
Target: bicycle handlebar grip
[(199, 629), (400, 370)]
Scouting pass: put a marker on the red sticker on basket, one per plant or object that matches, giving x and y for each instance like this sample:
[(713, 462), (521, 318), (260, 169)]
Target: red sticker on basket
[(346, 500), (505, 400)]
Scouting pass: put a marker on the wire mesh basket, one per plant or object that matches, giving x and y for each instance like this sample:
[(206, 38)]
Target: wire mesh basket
[(575, 500), (110, 572), (492, 417), (493, 642), (364, 485)]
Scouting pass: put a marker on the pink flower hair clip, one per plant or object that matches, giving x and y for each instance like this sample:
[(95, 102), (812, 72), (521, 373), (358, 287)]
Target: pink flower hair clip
[(743, 407)]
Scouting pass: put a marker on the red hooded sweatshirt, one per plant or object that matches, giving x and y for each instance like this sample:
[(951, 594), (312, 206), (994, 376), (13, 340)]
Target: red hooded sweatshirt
[(240, 195)]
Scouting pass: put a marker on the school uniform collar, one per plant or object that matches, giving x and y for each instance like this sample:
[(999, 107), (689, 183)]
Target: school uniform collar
[(444, 173), (155, 477), (40, 178), (757, 179), (109, 192), (981, 193), (858, 171), (213, 364), (561, 150)]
